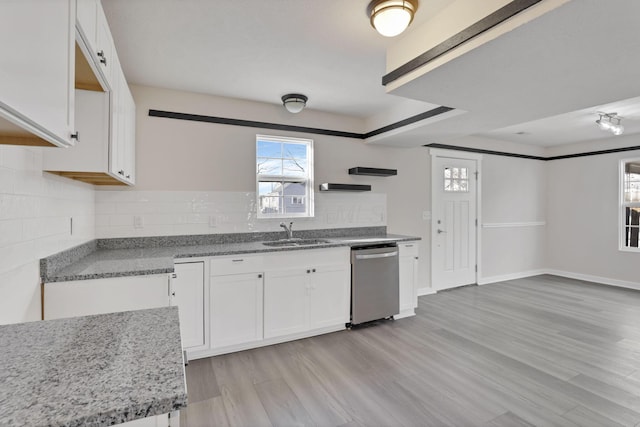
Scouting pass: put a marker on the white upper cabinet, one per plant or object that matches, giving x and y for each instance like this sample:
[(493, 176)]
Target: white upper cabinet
[(37, 72), (123, 109), (93, 28), (105, 153)]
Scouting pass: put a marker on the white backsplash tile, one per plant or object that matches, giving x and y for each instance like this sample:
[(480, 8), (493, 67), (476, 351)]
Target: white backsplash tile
[(191, 212), (35, 212)]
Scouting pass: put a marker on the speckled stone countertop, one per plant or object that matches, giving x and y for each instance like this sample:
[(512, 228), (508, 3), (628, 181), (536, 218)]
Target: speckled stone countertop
[(92, 370), (130, 257)]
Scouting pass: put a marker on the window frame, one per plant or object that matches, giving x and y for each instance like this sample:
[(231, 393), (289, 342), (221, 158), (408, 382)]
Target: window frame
[(309, 190), (622, 205)]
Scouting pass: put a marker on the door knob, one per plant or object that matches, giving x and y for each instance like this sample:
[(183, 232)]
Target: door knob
[(441, 231)]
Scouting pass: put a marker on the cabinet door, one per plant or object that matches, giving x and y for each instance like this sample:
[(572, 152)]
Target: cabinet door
[(116, 155), (408, 276), (187, 292), (286, 302), (104, 48), (330, 295), (235, 307), (91, 152), (98, 296), (37, 66), (130, 136), (86, 14)]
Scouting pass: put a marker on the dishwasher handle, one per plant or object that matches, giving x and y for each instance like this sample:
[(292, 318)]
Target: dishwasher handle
[(374, 256)]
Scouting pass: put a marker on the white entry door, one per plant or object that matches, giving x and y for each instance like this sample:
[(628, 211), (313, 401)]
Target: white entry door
[(454, 221)]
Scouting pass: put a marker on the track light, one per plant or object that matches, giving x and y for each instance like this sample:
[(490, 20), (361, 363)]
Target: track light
[(605, 122)]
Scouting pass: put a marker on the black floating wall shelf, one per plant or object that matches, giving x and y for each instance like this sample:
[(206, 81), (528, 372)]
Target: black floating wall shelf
[(344, 187), (359, 170)]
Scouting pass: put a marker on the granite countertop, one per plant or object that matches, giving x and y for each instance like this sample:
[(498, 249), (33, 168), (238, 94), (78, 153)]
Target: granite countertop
[(110, 261), (92, 370)]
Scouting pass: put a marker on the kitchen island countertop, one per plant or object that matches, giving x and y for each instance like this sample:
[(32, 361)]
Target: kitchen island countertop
[(91, 370)]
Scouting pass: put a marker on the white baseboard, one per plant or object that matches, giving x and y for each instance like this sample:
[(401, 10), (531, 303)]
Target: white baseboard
[(425, 291), (596, 279), (510, 276), (404, 313), (561, 273)]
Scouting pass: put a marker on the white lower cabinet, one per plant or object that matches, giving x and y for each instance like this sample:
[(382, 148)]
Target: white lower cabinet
[(256, 300), (188, 293), (302, 299), (330, 296), (158, 421), (408, 272), (235, 309), (98, 296), (286, 295)]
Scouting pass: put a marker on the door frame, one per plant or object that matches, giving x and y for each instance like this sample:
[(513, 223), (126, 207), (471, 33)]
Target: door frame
[(464, 155)]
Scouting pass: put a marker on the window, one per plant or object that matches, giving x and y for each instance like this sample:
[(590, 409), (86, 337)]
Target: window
[(284, 171), (630, 206), (456, 180)]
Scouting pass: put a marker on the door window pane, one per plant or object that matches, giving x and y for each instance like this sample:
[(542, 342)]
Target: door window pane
[(456, 180)]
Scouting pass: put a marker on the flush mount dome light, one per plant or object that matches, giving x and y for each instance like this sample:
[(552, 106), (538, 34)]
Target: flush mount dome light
[(294, 102), (391, 17)]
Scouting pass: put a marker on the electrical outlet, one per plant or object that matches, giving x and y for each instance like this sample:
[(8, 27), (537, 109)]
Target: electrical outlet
[(426, 215), (138, 222)]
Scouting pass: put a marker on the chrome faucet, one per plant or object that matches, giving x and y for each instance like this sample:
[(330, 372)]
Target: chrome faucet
[(288, 230)]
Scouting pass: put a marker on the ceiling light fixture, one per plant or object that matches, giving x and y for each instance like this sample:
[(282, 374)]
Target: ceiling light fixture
[(605, 122), (391, 17), (294, 102)]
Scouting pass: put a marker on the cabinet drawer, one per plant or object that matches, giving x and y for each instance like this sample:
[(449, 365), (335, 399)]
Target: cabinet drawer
[(408, 249), (236, 264)]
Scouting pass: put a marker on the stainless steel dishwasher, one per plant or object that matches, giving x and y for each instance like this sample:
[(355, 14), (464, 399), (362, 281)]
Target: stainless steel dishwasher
[(374, 283)]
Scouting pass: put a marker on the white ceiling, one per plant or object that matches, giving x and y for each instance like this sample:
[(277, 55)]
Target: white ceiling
[(259, 49), (546, 79)]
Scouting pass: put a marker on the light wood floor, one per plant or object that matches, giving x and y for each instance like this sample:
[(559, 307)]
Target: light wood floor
[(538, 351)]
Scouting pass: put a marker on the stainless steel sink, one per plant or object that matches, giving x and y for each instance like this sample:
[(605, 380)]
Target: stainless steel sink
[(295, 242)]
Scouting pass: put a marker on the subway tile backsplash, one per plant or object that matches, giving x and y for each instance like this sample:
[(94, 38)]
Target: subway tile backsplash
[(36, 214), (153, 213)]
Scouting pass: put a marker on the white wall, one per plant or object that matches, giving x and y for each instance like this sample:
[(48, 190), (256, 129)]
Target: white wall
[(196, 162), (513, 217), (583, 217), (35, 212)]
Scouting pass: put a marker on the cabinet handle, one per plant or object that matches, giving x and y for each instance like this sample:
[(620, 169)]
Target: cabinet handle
[(308, 271), (259, 276), (173, 294), (128, 176), (314, 270), (408, 246), (75, 136), (121, 172), (103, 59), (237, 260), (416, 257), (174, 276)]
